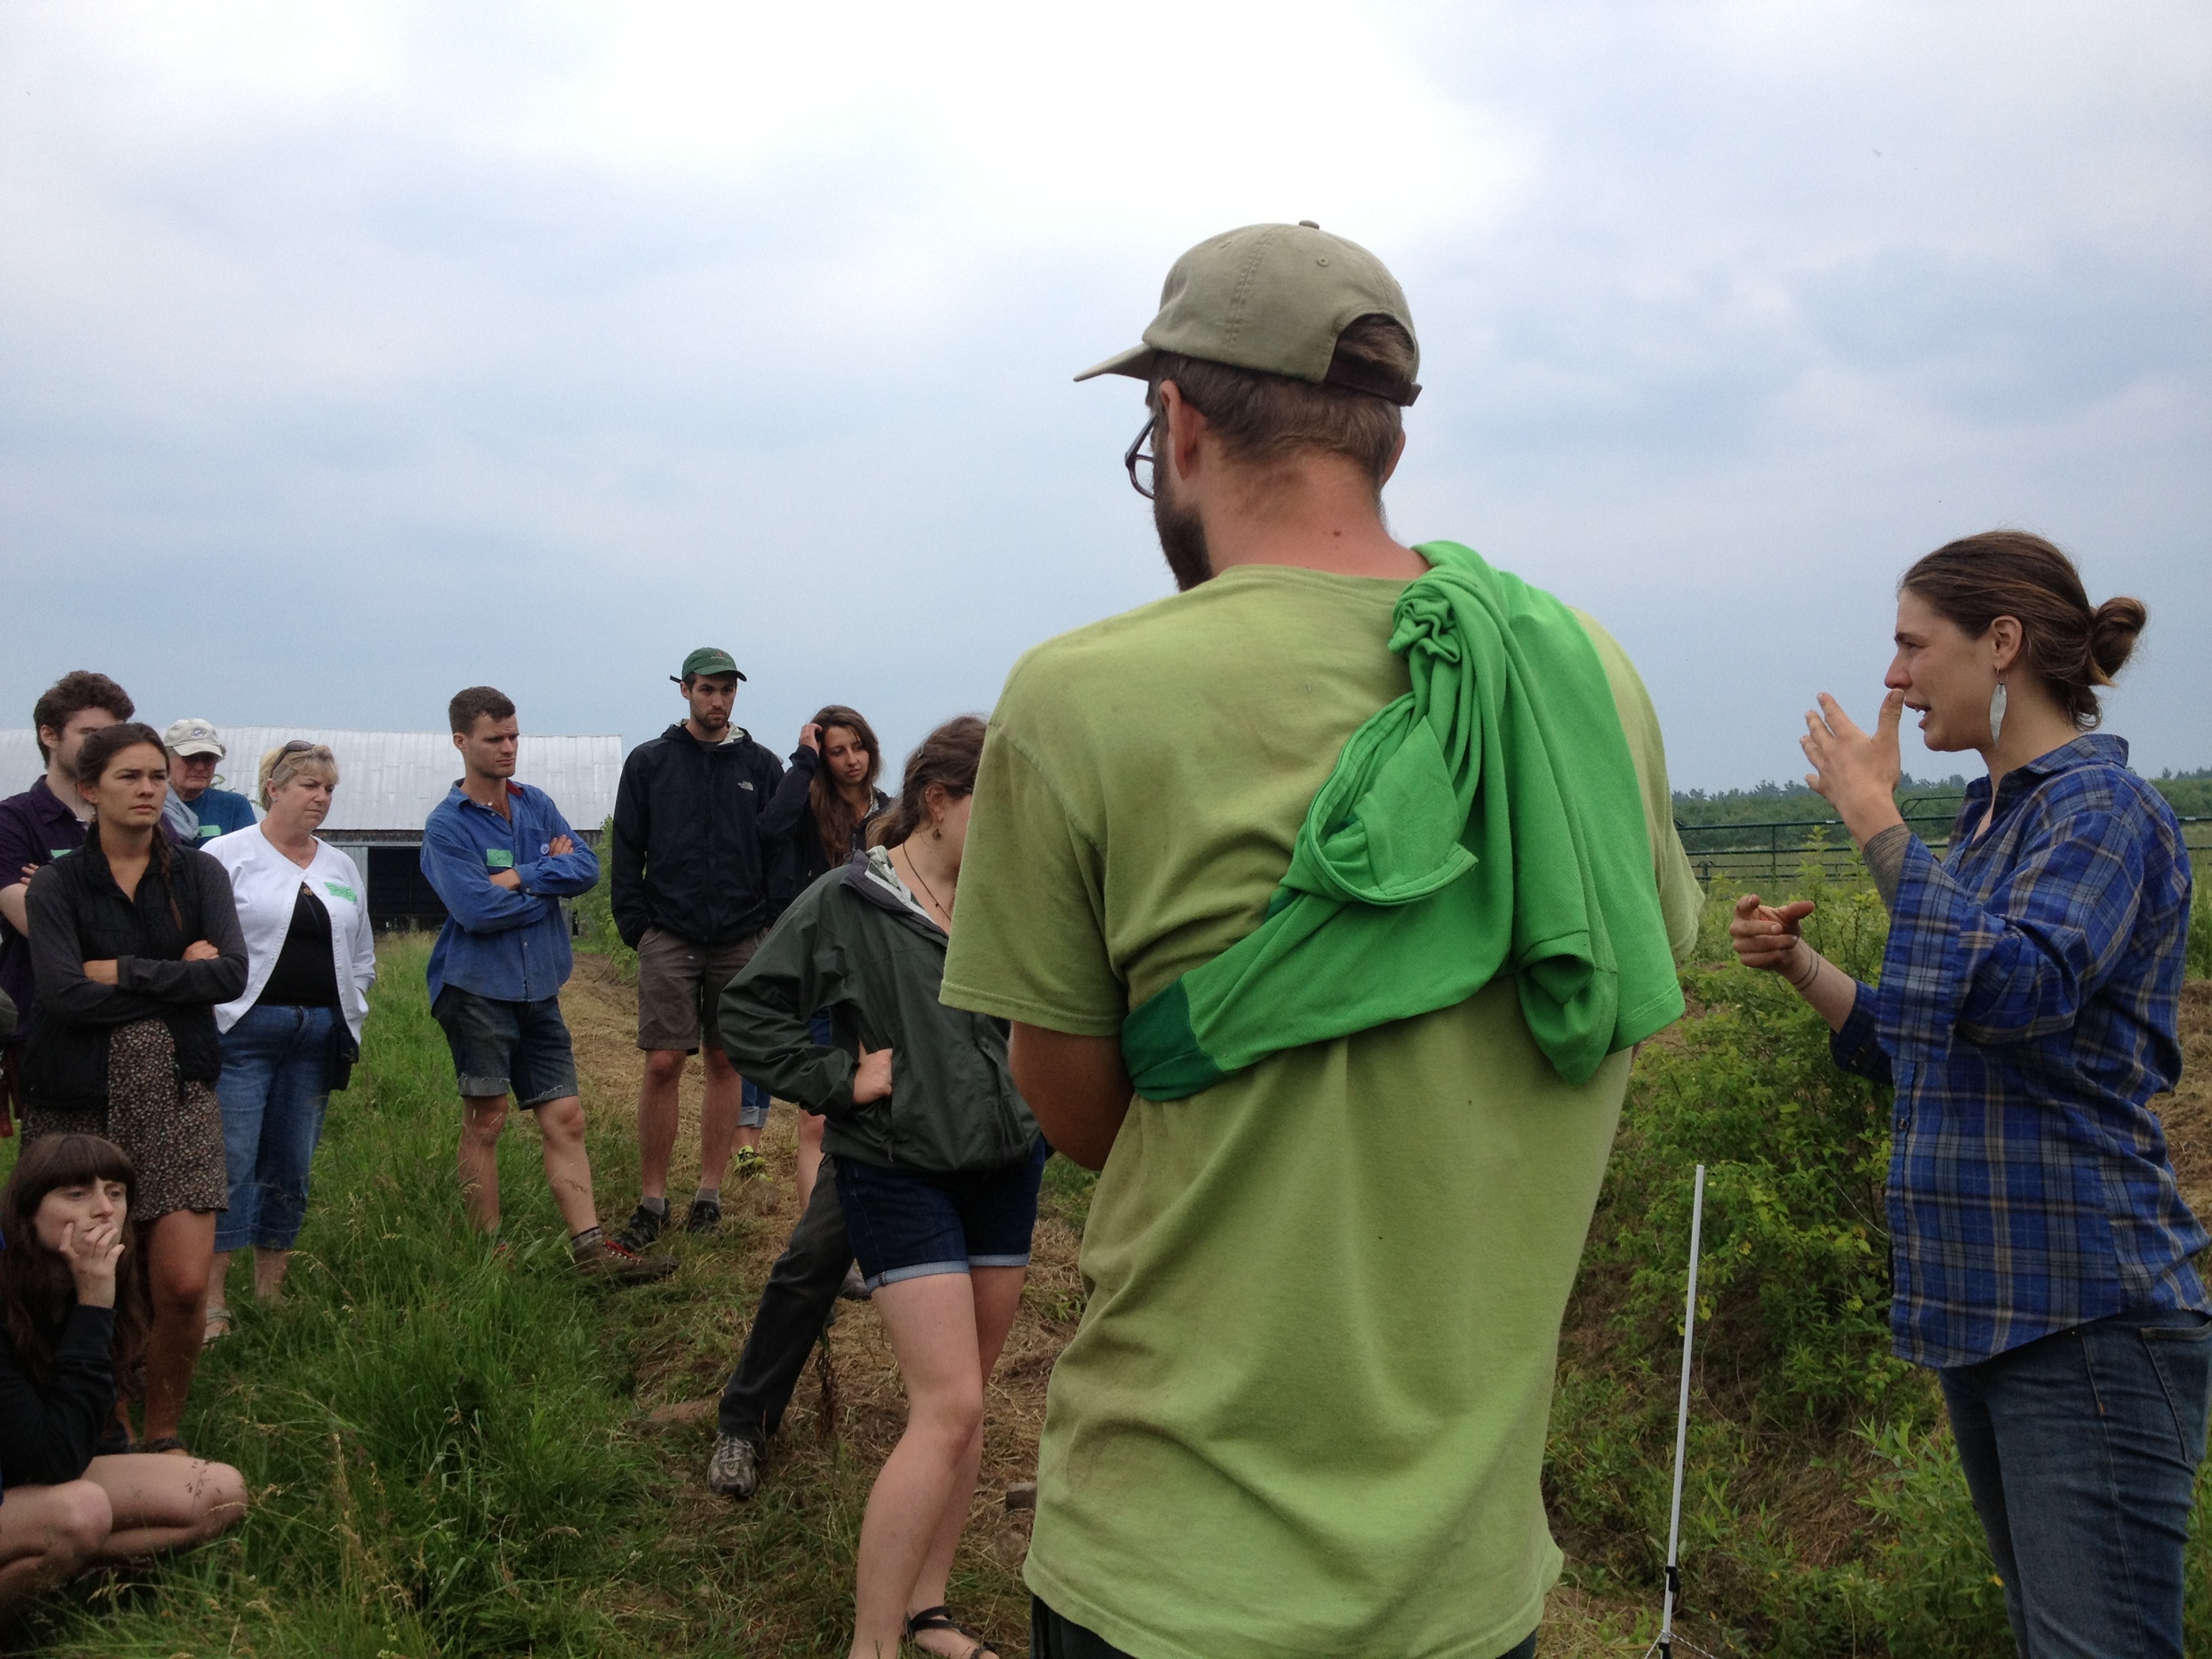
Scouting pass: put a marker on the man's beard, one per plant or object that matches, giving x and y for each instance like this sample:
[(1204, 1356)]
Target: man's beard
[(1182, 535)]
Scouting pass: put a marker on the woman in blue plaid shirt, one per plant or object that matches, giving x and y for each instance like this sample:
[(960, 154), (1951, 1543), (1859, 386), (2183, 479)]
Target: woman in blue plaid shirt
[(2028, 1011)]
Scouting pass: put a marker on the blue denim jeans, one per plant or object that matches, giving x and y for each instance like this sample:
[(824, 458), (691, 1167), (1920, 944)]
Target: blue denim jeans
[(275, 1083), (2081, 1450), (752, 1104)]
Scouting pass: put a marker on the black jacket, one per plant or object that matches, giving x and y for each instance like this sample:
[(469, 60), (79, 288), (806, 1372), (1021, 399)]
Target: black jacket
[(47, 1435), (686, 853), (798, 861), (851, 945), (79, 915)]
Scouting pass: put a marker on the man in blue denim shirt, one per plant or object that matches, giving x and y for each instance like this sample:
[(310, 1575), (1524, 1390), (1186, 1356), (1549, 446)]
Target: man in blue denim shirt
[(501, 858)]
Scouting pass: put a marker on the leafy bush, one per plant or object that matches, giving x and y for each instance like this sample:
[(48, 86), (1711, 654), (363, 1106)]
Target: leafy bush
[(594, 915), (1824, 1511)]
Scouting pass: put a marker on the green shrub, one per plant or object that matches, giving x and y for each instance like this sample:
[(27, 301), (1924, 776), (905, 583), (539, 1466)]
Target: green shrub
[(594, 915), (1824, 1511)]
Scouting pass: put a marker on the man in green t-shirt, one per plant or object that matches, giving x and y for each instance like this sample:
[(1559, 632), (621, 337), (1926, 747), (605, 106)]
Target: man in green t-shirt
[(1305, 1412)]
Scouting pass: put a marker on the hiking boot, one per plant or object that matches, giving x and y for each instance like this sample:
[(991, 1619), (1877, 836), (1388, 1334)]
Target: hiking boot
[(735, 1470), (641, 1230), (705, 1217), (854, 1288), (618, 1264), (749, 1165)]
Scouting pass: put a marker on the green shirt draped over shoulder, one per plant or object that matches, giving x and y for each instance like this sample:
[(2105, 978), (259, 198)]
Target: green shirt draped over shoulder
[(1487, 821)]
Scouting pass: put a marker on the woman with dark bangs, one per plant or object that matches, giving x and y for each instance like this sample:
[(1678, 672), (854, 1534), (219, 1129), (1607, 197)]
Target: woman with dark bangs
[(133, 942), (818, 819), (73, 1321)]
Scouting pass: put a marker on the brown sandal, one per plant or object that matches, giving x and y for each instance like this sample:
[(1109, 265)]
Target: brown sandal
[(942, 1618)]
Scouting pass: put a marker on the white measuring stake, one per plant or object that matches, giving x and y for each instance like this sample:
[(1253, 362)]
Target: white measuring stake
[(1682, 1426)]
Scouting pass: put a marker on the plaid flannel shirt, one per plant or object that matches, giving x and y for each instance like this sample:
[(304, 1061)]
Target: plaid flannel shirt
[(2028, 1011)]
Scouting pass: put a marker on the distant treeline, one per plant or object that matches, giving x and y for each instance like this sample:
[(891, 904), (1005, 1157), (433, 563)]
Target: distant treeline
[(2189, 792)]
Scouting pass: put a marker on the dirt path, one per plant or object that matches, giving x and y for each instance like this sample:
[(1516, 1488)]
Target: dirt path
[(795, 1539), (844, 1416)]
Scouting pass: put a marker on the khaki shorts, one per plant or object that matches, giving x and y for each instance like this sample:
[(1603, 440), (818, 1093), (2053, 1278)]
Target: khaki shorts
[(679, 985)]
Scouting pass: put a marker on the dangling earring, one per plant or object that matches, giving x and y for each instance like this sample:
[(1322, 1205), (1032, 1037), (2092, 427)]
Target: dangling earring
[(937, 832), (1997, 714)]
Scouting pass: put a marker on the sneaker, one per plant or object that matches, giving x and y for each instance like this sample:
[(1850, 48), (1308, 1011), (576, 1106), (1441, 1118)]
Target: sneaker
[(705, 1217), (642, 1228), (620, 1265), (749, 1165), (854, 1288), (735, 1470)]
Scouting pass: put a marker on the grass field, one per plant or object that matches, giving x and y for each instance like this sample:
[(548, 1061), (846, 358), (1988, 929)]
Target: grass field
[(454, 1452)]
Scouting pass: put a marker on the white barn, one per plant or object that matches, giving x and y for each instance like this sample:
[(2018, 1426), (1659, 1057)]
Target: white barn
[(388, 781)]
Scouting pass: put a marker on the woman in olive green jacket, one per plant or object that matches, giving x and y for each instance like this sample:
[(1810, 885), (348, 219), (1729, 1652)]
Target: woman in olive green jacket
[(937, 1159)]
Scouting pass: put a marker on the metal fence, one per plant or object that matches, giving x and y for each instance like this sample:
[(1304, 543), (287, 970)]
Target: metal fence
[(1752, 852)]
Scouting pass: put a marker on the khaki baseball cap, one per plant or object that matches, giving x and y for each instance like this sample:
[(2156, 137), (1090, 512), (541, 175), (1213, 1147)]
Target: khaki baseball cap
[(193, 737), (1273, 297)]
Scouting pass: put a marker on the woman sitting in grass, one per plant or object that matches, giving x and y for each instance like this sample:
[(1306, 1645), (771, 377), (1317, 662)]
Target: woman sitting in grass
[(937, 1164), (71, 1318)]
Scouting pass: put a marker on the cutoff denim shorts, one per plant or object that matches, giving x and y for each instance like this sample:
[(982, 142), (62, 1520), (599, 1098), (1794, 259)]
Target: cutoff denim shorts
[(907, 1224), (501, 1048)]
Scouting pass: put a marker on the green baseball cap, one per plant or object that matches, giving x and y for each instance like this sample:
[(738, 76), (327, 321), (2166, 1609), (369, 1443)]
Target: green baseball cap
[(707, 660), (1273, 297)]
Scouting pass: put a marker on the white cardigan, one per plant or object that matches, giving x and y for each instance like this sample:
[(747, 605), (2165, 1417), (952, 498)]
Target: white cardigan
[(267, 886)]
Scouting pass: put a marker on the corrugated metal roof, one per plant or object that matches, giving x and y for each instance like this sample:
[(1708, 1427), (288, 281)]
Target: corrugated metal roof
[(390, 780)]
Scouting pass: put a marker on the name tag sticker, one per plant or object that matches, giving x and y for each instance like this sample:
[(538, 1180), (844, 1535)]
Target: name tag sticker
[(59, 852), (337, 890), (498, 858)]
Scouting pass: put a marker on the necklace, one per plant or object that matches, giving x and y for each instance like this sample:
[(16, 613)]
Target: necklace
[(915, 871)]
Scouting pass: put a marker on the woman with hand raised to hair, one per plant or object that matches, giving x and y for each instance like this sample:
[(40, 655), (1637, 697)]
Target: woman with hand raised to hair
[(133, 942), (818, 819), (72, 1321), (937, 1162), (2028, 1012)]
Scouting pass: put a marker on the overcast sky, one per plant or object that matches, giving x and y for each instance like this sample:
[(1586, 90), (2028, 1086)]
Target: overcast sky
[(350, 354)]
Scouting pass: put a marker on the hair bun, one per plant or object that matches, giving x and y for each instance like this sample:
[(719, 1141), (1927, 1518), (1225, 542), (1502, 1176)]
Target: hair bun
[(2112, 634)]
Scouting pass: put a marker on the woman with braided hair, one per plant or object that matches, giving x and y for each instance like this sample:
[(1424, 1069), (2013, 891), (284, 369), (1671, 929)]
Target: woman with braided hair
[(133, 942)]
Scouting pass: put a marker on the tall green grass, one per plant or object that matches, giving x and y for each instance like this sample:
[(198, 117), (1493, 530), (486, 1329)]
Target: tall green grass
[(431, 1431), (1825, 1512)]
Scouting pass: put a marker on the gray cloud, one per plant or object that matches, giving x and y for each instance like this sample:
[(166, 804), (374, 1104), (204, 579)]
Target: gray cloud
[(336, 373)]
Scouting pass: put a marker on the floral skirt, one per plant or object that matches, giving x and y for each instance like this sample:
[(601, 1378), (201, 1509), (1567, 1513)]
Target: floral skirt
[(173, 1131)]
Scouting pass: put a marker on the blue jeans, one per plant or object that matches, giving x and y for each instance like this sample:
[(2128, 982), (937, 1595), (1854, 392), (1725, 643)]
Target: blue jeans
[(275, 1083), (2081, 1450), (752, 1104)]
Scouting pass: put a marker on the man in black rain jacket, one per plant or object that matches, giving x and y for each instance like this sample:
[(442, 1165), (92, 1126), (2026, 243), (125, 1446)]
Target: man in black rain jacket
[(690, 878)]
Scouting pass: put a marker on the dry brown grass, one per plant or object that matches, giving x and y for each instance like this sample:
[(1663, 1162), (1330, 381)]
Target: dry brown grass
[(2187, 1111), (791, 1548)]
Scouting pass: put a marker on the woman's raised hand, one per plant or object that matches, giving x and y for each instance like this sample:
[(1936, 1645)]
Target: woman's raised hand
[(1855, 771), (1769, 936), (871, 1078), (92, 1251), (810, 737)]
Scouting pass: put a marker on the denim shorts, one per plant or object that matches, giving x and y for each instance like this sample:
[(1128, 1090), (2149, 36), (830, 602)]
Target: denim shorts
[(907, 1224), (501, 1048)]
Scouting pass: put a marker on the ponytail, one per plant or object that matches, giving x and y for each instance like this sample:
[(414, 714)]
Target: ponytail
[(947, 759)]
